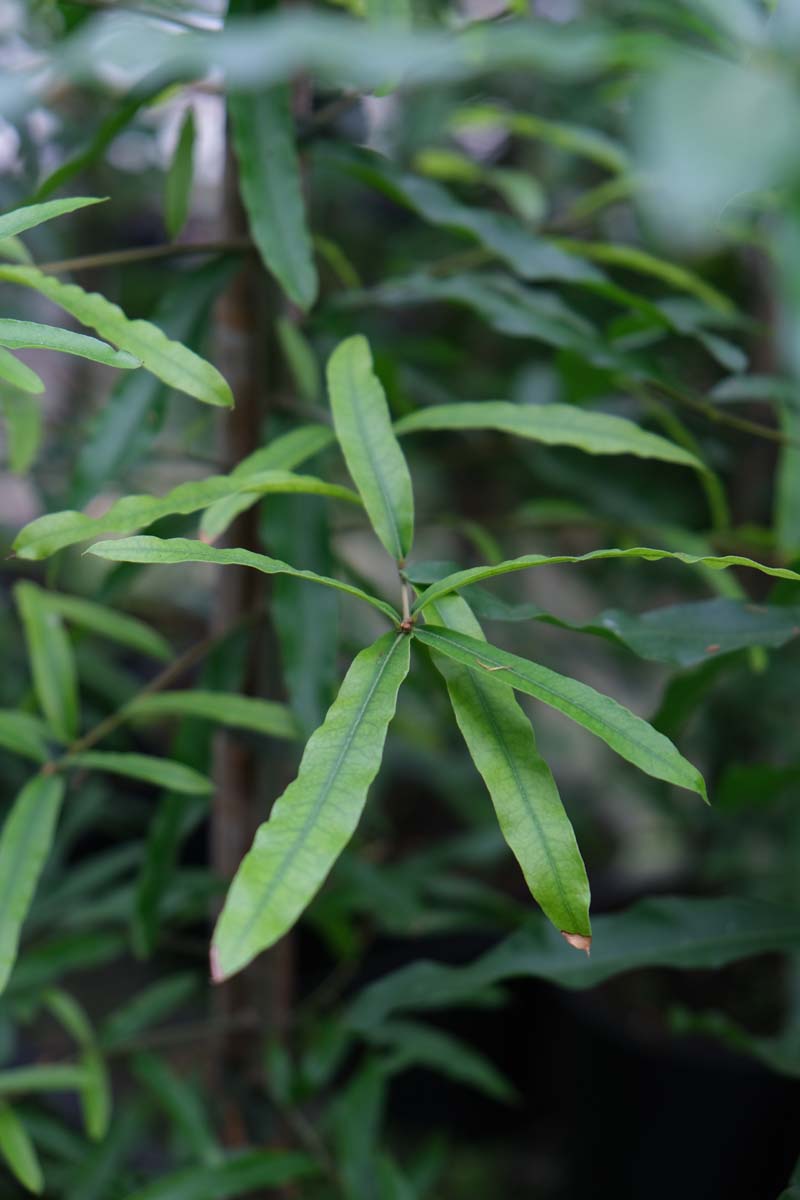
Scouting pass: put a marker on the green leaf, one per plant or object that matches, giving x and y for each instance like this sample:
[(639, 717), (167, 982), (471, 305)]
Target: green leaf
[(170, 361), (183, 550), (311, 823), (269, 178), (502, 745), (462, 579), (415, 1044), (180, 1101), (281, 454), (300, 359), (374, 458), (19, 374), (634, 259), (575, 139), (146, 1008), (178, 189), (23, 733), (51, 659), (51, 1077), (622, 730), (21, 219), (24, 335), (106, 622), (98, 1170), (24, 426), (525, 254), (159, 771), (223, 708), (238, 1175), (96, 1088), (55, 531), (553, 424), (25, 843), (15, 250), (19, 1151), (130, 419), (664, 932)]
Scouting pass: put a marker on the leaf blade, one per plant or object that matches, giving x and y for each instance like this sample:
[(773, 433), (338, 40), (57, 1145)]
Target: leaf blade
[(224, 708), (503, 747), (630, 736), (19, 1151), (159, 771), (32, 215), (373, 455), (553, 424), (287, 865), (51, 660), (178, 189), (25, 842), (31, 335)]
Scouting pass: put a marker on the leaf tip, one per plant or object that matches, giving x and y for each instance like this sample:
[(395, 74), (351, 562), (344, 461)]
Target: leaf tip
[(579, 941), (217, 973)]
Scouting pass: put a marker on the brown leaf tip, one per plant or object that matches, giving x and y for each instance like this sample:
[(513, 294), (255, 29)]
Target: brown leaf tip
[(579, 941)]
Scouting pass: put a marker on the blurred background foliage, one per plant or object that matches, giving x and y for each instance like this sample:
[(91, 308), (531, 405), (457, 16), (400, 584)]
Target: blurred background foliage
[(593, 204)]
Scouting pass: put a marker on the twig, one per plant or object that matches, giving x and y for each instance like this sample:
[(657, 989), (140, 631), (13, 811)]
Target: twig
[(120, 258)]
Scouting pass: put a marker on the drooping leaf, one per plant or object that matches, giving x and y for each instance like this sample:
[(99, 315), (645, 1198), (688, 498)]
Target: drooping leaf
[(29, 335), (269, 177), (19, 374), (503, 747), (24, 427), (238, 1175), (301, 360), (414, 1044), (20, 219), (178, 190), (462, 579), (130, 419), (223, 708), (183, 550), (284, 453), (19, 1151), (54, 531), (25, 843), (23, 733), (51, 660), (691, 934), (49, 1077), (109, 623), (630, 736), (313, 820), (181, 1103), (374, 458), (159, 771), (172, 362), (553, 424)]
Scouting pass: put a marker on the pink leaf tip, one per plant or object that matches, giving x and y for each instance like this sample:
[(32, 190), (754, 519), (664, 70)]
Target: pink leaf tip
[(579, 941)]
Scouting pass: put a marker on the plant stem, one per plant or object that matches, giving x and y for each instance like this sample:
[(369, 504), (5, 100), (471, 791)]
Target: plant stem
[(139, 254)]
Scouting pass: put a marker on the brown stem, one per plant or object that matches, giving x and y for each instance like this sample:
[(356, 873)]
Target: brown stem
[(137, 254)]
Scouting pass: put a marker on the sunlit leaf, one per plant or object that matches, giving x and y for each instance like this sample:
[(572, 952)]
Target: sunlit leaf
[(25, 335), (19, 1151), (20, 219)]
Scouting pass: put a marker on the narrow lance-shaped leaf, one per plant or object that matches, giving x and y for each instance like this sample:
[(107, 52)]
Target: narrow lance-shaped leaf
[(283, 453), (19, 1151), (51, 659), (160, 771), (183, 550), (55, 531), (23, 733), (553, 424), (20, 219), (30, 335), (181, 1102), (269, 177), (503, 747), (19, 374), (462, 579), (311, 823), (179, 178), (223, 708), (172, 362), (108, 623), (630, 736), (24, 845), (373, 456)]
